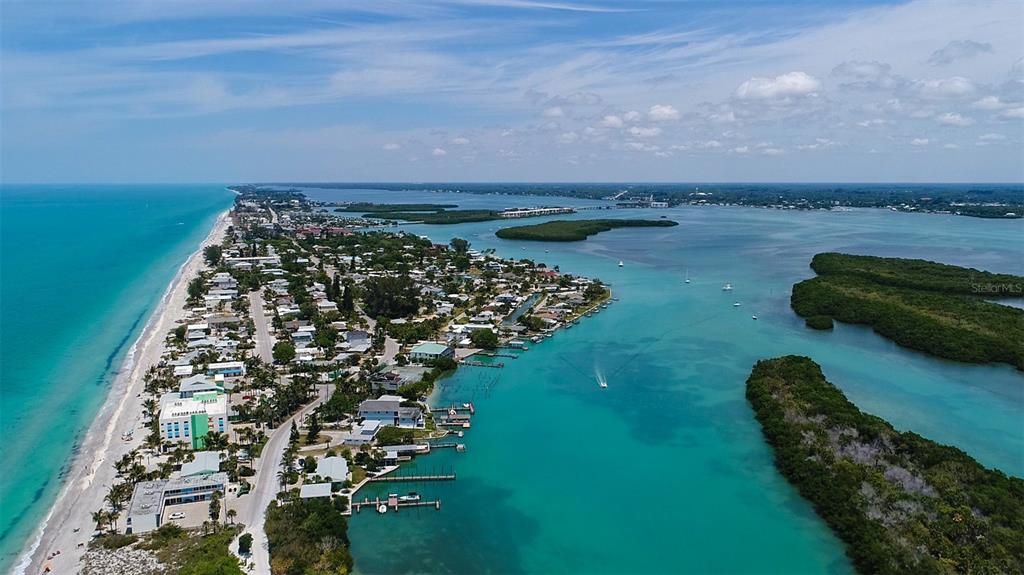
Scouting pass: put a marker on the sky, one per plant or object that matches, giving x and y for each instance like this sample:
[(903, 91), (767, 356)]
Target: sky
[(512, 90)]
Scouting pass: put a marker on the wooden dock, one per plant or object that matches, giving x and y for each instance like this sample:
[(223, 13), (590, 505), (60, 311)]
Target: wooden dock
[(471, 363), (437, 477), (392, 504)]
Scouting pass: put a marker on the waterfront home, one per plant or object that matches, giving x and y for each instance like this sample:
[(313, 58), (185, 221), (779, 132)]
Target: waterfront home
[(203, 463), (333, 468), (183, 370), (362, 433), (190, 419), (388, 410), (430, 351), (198, 384), (152, 501)]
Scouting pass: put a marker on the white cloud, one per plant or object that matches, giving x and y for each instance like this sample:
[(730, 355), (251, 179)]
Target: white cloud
[(955, 87), (954, 119), (950, 147), (709, 145), (611, 122), (631, 116), (391, 146), (991, 136), (460, 141), (919, 142), (439, 152), (645, 132), (662, 113), (958, 50), (554, 112), (773, 151), (642, 147), (989, 103), (786, 85), (1014, 113), (741, 149), (819, 143), (872, 123), (568, 137)]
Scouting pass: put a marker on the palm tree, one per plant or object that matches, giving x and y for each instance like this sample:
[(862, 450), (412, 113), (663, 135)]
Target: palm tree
[(100, 517), (231, 514)]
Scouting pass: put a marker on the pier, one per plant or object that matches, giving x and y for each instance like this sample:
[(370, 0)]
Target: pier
[(481, 364), (393, 504), (434, 477)]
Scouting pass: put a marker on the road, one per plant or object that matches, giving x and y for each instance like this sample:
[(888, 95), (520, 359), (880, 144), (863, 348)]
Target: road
[(252, 508), (264, 341), (391, 347)]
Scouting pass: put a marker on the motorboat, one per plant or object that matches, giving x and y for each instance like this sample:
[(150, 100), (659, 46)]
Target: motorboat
[(412, 497), (727, 287), (737, 304), (620, 263), (382, 509)]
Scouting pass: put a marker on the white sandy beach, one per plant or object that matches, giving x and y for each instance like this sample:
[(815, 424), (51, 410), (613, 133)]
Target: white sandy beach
[(92, 471)]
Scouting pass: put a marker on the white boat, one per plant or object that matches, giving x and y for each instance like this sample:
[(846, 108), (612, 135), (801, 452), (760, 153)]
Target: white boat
[(737, 304), (601, 381), (753, 317), (620, 263), (727, 287), (412, 497), (382, 509), (687, 280)]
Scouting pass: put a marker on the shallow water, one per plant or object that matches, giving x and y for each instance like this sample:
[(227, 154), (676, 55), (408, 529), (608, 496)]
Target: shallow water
[(666, 469), (83, 267)]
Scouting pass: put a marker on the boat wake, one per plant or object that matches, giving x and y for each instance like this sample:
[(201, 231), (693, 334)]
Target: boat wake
[(601, 380)]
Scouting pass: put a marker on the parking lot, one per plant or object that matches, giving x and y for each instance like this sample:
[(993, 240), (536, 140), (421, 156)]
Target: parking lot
[(195, 514)]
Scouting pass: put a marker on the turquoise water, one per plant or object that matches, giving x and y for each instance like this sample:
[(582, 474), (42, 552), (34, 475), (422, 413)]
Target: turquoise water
[(81, 267), (666, 469)]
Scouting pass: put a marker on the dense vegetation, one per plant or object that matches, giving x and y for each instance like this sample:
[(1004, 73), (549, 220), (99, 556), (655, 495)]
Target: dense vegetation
[(979, 200), (426, 213), (931, 307), (901, 503), (574, 230), (390, 296), (308, 537)]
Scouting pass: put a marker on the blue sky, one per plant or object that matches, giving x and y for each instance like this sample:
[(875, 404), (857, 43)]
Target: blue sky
[(512, 90)]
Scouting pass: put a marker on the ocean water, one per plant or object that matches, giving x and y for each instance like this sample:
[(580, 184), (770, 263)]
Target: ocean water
[(666, 470), (81, 269)]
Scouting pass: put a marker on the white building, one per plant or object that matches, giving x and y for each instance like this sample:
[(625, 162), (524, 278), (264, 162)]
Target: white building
[(190, 419)]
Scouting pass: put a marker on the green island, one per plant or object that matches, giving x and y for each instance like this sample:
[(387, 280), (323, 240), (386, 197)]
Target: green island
[(574, 230), (931, 307), (900, 502), (426, 213)]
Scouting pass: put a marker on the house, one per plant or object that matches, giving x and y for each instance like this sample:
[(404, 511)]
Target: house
[(388, 410), (226, 368), (333, 468), (362, 433), (182, 370), (198, 384), (430, 351), (314, 490)]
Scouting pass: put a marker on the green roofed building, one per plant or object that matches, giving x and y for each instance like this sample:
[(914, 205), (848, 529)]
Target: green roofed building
[(429, 351)]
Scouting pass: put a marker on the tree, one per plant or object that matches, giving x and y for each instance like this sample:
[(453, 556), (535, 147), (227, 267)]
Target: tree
[(309, 464), (314, 429), (347, 305), (231, 514), (196, 289), (215, 507), (390, 297), (484, 339), (293, 435), (460, 245), (284, 352), (245, 544), (212, 254)]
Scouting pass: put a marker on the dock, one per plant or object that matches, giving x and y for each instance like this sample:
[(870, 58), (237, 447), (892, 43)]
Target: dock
[(471, 363), (436, 477), (392, 504)]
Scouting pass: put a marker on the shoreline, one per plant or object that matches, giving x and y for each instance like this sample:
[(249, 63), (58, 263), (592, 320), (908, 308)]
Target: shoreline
[(91, 466)]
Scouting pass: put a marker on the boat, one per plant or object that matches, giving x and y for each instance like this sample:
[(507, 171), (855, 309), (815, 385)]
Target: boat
[(601, 381), (461, 434), (753, 317), (687, 280), (568, 326), (382, 509), (737, 304), (620, 263), (412, 497), (727, 287)]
